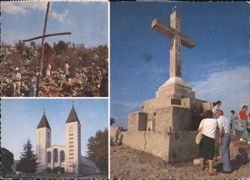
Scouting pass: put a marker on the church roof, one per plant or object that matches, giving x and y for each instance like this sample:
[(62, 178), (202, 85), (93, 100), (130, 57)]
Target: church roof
[(43, 122), (72, 116)]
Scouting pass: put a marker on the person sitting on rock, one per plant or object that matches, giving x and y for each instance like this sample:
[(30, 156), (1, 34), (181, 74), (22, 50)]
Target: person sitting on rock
[(16, 76)]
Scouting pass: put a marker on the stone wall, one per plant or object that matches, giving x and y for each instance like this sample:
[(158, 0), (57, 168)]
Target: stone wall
[(176, 147), (182, 146), (173, 118), (148, 141), (137, 121)]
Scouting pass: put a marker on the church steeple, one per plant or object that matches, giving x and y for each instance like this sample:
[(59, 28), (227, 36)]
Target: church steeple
[(72, 115), (73, 142), (43, 141), (43, 122)]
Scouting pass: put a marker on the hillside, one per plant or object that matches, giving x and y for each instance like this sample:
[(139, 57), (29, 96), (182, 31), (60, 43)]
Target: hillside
[(88, 69)]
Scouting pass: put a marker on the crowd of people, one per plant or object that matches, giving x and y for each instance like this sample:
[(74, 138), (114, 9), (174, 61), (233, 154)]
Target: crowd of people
[(16, 77), (95, 74), (215, 124)]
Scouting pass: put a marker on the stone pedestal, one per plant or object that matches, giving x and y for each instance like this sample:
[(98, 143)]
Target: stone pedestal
[(170, 93), (172, 118), (173, 148), (137, 121), (175, 88), (167, 124)]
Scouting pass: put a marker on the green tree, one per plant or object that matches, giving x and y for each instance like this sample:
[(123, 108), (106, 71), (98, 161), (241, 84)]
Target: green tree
[(7, 161), (28, 160), (98, 150), (20, 46), (60, 46)]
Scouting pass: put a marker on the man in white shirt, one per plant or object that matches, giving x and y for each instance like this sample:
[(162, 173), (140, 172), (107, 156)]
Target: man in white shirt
[(224, 139)]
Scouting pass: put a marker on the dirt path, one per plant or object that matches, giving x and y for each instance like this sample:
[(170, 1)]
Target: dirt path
[(131, 164)]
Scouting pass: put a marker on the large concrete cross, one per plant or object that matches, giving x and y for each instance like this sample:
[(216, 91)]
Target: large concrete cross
[(173, 32), (43, 36)]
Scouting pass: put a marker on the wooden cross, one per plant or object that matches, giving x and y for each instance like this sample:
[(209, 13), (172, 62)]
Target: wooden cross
[(173, 32), (43, 36)]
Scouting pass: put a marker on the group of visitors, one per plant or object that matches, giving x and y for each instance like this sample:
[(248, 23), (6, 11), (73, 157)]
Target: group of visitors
[(215, 124), (16, 79), (94, 80)]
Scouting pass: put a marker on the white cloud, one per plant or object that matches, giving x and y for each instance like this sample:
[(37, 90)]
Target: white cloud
[(12, 8), (60, 16), (230, 86), (22, 8)]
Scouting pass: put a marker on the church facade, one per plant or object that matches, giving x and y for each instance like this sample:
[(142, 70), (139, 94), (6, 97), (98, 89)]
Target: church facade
[(67, 156)]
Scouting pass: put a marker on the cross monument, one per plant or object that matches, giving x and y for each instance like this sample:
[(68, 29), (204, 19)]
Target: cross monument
[(177, 38)]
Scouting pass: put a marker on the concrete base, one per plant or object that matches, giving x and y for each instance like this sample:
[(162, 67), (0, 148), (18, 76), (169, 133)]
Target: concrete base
[(137, 121), (172, 118), (170, 93), (173, 148), (167, 124), (182, 146), (176, 88)]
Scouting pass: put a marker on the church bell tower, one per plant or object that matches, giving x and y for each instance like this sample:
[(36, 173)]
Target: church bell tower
[(73, 143), (43, 141)]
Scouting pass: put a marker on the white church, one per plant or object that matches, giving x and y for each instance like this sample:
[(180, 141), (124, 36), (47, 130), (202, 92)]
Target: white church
[(67, 156)]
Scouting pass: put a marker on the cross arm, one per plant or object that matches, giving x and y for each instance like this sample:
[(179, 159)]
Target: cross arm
[(166, 30), (186, 41), (47, 35), (162, 28)]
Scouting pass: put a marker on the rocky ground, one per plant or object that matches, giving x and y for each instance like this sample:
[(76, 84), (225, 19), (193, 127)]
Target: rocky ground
[(131, 164), (57, 86), (89, 74)]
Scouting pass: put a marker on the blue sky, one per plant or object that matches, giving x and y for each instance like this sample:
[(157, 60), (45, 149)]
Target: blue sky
[(20, 119), (217, 68), (88, 21)]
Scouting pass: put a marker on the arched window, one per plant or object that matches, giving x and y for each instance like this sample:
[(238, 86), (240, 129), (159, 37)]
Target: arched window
[(55, 155), (49, 156), (62, 156)]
